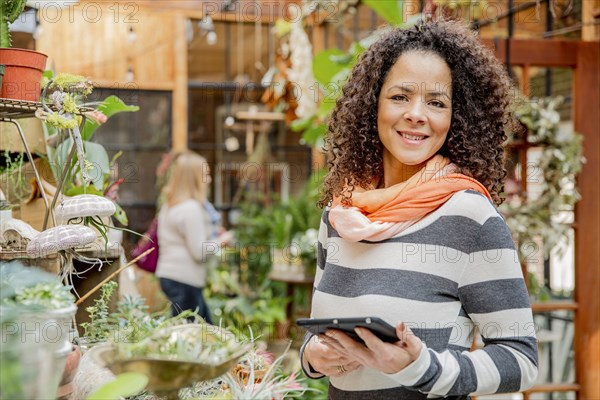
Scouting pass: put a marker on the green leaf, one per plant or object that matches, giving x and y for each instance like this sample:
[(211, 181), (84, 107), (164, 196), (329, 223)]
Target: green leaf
[(114, 105), (326, 107), (60, 159), (299, 125), (114, 158), (342, 59), (325, 67), (62, 152), (356, 49), (110, 106), (97, 155), (126, 384), (48, 74), (312, 135), (340, 80), (120, 215), (390, 10), (76, 190)]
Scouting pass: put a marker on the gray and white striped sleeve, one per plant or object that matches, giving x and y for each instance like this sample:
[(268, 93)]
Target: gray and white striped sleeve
[(493, 295), (321, 257)]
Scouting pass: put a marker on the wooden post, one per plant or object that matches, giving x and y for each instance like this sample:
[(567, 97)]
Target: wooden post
[(180, 88), (586, 99), (589, 30), (318, 42)]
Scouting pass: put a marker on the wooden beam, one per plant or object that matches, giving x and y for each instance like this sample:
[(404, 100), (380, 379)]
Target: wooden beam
[(136, 85), (554, 305), (547, 53), (260, 115), (586, 105), (554, 387), (267, 12), (180, 90)]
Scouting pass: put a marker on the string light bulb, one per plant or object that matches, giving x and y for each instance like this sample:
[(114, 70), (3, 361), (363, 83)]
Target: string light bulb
[(129, 76), (131, 35), (211, 38)]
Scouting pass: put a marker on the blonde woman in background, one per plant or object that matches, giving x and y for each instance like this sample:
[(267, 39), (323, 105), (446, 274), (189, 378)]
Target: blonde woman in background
[(184, 230)]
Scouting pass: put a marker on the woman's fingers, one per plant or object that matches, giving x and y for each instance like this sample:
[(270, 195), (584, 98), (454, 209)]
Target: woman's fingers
[(356, 350), (408, 341), (371, 341), (343, 368), (386, 357), (335, 340), (324, 355), (343, 352)]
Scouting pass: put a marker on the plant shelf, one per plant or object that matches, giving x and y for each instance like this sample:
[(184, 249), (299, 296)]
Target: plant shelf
[(10, 111), (17, 109)]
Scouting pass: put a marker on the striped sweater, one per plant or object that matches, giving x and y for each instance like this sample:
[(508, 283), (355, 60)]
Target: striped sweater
[(453, 271)]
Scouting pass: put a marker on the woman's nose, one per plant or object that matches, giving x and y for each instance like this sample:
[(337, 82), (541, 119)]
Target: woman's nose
[(415, 114)]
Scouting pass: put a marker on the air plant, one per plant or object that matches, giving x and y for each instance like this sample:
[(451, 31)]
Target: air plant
[(63, 92), (78, 164), (272, 384)]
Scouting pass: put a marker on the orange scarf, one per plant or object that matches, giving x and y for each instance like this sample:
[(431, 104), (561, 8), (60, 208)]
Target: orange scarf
[(378, 214)]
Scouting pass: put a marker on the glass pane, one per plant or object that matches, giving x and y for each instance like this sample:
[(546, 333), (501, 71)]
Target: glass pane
[(553, 82), (555, 332), (138, 168), (561, 279), (140, 217), (148, 127), (513, 186)]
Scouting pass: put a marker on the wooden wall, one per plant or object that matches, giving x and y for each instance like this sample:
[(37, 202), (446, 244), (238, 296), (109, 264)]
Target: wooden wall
[(93, 39), (120, 45)]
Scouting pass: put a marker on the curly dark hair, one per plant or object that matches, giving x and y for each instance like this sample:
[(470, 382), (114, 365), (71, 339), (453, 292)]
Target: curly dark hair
[(481, 109)]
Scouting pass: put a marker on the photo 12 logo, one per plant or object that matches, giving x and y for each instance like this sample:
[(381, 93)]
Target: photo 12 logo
[(91, 12)]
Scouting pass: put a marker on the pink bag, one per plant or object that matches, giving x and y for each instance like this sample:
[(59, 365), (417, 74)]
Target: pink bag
[(146, 242)]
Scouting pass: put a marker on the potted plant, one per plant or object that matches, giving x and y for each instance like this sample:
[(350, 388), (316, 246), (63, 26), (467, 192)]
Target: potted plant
[(36, 311), (23, 68)]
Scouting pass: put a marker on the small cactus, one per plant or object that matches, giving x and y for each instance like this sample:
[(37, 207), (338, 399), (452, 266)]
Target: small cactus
[(9, 12)]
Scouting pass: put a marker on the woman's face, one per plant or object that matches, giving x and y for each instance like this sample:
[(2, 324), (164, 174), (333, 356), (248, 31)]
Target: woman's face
[(414, 109)]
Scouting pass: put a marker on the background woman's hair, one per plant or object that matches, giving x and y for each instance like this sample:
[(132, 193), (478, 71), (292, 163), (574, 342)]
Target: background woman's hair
[(481, 109), (189, 179)]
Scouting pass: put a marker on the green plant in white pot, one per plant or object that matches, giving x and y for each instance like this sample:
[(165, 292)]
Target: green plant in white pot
[(36, 311), (23, 68)]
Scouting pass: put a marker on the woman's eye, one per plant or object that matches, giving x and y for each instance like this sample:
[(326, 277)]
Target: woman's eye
[(437, 103), (399, 97)]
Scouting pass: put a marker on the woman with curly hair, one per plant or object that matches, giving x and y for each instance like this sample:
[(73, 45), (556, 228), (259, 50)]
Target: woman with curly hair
[(410, 232)]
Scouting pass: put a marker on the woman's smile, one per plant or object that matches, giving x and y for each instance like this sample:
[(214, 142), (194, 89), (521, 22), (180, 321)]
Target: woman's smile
[(413, 137)]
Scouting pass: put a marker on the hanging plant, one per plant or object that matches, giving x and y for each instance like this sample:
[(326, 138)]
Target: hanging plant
[(543, 218)]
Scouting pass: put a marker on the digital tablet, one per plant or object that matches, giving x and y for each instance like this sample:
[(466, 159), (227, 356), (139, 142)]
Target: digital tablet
[(379, 327)]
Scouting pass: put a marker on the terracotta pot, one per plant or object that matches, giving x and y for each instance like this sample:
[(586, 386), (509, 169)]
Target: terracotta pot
[(71, 365), (22, 78), (243, 374)]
